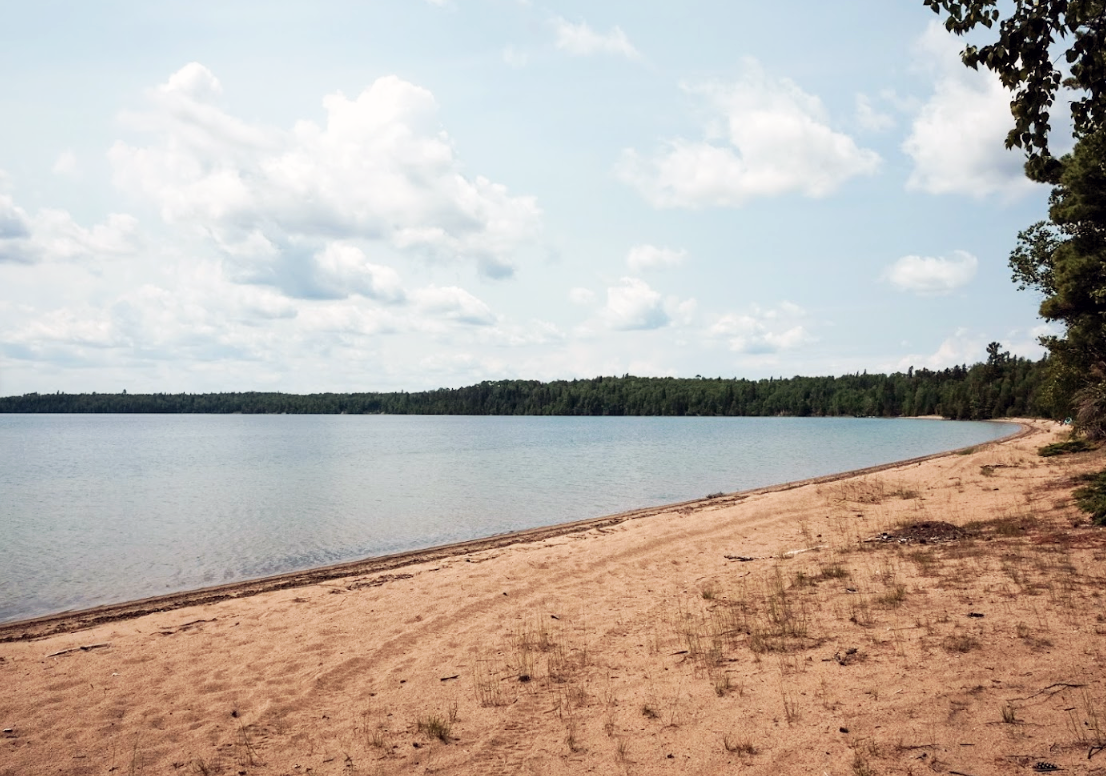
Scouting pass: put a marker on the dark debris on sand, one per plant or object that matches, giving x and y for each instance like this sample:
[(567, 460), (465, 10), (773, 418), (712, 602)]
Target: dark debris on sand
[(922, 532)]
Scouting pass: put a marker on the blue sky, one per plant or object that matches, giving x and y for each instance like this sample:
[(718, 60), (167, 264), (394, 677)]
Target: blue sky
[(401, 195)]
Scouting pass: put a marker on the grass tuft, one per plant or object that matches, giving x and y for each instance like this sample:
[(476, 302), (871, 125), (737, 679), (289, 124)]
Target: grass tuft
[(833, 571), (738, 747), (437, 727), (894, 597), (960, 642)]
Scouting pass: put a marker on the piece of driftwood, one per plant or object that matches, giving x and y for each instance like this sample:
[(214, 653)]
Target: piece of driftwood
[(86, 648)]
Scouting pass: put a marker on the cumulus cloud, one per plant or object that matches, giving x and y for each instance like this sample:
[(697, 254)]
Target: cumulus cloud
[(582, 40), (928, 275), (958, 136), (346, 318), (761, 331), (14, 224), (632, 304), (643, 257), (963, 347), (769, 138), (1027, 344), (453, 303), (345, 269), (53, 235), (148, 322), (380, 168), (195, 316)]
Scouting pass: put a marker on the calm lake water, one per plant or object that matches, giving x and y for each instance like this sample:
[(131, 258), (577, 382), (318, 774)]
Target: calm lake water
[(105, 508)]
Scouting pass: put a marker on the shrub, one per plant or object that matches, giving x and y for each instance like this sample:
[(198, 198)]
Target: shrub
[(1076, 445), (1091, 498)]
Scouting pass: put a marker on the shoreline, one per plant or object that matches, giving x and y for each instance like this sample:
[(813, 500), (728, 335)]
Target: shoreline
[(80, 619), (936, 615)]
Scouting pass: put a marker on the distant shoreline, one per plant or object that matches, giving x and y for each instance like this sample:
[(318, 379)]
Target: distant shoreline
[(1003, 389)]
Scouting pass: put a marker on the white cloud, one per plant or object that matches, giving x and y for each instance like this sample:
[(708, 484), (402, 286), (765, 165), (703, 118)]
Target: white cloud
[(1028, 344), (958, 137), (195, 316), (344, 269), (193, 322), (773, 139), (380, 168), (348, 318), (963, 347), (869, 118), (53, 235), (582, 40), (533, 333), (14, 223), (763, 331), (927, 275), (643, 257), (454, 304), (634, 305), (66, 163)]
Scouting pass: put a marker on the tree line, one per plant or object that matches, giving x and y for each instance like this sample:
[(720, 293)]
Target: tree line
[(1003, 386)]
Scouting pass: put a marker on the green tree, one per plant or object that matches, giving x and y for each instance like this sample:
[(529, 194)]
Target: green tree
[(1065, 259), (1025, 62)]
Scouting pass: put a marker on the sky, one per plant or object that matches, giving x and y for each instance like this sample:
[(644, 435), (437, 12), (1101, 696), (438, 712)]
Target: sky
[(411, 194)]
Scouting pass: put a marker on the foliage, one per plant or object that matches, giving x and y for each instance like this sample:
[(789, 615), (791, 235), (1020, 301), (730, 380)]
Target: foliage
[(1091, 498), (1076, 445), (1065, 259), (1006, 386), (1023, 59)]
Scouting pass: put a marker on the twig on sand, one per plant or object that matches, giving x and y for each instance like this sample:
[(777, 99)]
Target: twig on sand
[(86, 648), (1060, 685)]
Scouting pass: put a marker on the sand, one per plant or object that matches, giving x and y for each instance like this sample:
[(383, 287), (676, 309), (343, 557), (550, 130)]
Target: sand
[(938, 616)]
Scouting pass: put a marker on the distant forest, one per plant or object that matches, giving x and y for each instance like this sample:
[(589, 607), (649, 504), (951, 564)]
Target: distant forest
[(1004, 386)]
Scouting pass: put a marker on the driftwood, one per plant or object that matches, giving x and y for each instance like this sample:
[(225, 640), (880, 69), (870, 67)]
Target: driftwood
[(87, 648)]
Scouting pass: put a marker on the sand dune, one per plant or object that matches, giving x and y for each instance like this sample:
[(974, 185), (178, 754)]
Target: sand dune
[(759, 633)]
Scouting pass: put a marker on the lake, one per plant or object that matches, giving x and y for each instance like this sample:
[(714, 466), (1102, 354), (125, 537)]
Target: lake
[(100, 509)]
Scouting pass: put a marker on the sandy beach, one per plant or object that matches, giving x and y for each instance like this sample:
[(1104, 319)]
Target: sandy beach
[(942, 615)]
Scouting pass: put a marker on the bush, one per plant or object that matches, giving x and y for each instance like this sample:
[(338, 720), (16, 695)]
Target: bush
[(1077, 445), (1091, 498)]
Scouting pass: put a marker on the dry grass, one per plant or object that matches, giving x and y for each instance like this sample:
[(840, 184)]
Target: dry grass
[(738, 746), (436, 726)]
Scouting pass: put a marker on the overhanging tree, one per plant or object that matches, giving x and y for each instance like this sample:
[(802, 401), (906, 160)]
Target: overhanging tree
[(1065, 259), (1026, 61)]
